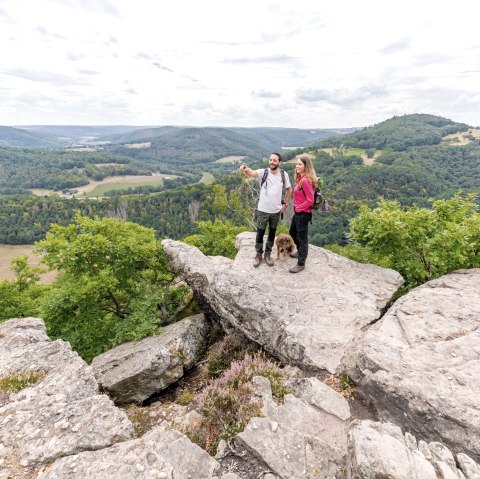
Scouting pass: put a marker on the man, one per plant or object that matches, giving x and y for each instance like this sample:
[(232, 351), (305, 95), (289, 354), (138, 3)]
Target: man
[(270, 205)]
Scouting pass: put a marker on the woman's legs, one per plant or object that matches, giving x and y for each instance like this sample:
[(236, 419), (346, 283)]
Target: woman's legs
[(299, 233)]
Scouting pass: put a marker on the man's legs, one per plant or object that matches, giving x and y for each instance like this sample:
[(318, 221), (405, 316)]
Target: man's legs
[(259, 241), (273, 221), (261, 222)]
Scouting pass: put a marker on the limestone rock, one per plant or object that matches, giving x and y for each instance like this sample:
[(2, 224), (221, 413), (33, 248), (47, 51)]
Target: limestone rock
[(295, 439), (306, 319), (132, 372), (469, 467), (159, 454), (379, 450), (318, 394), (420, 364), (60, 414)]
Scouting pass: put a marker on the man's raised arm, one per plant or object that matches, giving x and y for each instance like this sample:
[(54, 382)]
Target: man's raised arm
[(247, 171)]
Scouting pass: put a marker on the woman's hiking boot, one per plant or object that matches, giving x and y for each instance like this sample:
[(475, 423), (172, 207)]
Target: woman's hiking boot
[(293, 254), (296, 269), (268, 259), (257, 261)]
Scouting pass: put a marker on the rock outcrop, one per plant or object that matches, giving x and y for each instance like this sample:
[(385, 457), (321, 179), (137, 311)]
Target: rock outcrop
[(380, 450), (59, 425), (60, 415), (420, 364), (307, 319), (303, 437), (135, 371)]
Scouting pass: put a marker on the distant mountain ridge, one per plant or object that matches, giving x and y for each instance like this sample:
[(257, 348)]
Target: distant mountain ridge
[(18, 138), (67, 135)]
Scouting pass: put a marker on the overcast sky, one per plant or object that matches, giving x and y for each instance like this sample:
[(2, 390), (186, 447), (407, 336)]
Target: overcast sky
[(295, 63)]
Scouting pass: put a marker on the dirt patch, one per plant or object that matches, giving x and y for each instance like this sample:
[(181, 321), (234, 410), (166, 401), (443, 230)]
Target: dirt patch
[(137, 145), (462, 138), (229, 159)]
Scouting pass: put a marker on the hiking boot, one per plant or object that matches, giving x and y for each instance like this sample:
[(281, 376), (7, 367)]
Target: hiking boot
[(294, 254), (268, 259), (296, 269), (257, 261)]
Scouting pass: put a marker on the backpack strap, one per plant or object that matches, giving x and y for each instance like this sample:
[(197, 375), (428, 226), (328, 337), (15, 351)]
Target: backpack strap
[(265, 175)]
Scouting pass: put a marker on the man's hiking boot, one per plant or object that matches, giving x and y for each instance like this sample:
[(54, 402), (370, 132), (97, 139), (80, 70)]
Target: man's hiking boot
[(268, 259), (257, 261), (296, 269), (293, 254)]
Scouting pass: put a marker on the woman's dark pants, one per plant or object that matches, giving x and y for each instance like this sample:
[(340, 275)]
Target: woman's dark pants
[(299, 233)]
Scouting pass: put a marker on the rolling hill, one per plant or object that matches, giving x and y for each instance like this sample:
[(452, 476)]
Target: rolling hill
[(18, 138), (398, 133)]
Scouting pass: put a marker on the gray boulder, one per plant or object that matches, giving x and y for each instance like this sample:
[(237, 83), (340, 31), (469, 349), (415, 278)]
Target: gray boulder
[(420, 364), (133, 371), (298, 438), (159, 454), (62, 413), (307, 319), (380, 450)]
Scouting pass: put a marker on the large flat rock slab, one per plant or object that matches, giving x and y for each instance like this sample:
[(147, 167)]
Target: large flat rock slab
[(159, 454), (307, 319), (132, 372), (420, 364)]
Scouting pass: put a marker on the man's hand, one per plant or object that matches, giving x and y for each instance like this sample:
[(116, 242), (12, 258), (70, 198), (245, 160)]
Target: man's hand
[(243, 168), (283, 208)]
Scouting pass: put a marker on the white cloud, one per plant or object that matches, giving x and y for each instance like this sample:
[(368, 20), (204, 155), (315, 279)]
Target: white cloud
[(249, 63)]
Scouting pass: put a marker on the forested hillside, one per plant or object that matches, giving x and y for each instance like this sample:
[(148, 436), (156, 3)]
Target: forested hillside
[(22, 169), (18, 138), (399, 133)]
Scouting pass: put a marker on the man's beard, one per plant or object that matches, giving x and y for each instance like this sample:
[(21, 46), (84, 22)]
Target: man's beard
[(274, 167)]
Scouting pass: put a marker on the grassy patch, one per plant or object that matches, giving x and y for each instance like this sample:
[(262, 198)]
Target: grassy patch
[(207, 178), (101, 189), (15, 382)]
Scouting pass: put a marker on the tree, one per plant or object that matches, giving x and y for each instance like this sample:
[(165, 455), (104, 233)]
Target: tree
[(114, 284), (21, 296), (422, 243), (216, 238)]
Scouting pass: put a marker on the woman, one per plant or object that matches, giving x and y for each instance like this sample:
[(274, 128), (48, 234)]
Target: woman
[(303, 195)]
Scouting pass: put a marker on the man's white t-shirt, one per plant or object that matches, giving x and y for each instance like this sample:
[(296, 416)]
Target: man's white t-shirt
[(271, 191)]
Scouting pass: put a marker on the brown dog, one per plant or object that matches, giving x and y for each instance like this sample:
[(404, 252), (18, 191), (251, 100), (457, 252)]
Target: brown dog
[(285, 246)]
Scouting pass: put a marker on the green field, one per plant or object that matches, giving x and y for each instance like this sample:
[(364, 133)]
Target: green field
[(207, 178), (102, 188)]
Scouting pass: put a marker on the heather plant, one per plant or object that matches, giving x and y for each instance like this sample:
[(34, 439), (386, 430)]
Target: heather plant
[(15, 382), (228, 402), (232, 347)]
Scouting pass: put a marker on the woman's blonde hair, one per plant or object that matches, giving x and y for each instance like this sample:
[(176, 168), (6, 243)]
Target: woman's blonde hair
[(309, 170)]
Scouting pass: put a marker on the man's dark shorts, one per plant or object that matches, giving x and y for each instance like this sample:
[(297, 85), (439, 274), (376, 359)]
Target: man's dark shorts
[(262, 220)]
